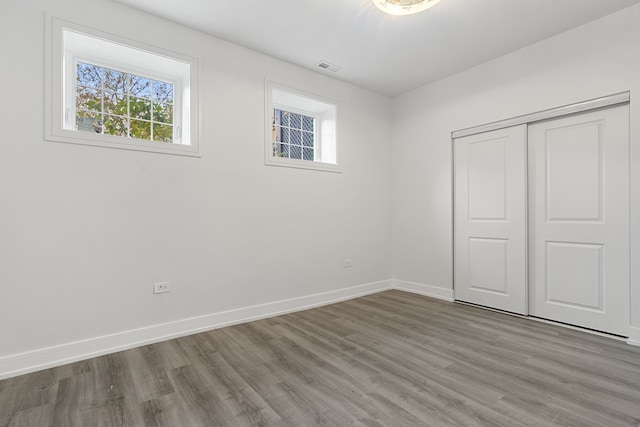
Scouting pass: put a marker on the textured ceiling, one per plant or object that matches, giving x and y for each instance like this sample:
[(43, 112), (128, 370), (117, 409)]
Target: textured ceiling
[(387, 54)]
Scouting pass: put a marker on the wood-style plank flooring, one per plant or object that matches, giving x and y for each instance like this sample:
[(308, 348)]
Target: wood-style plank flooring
[(389, 359)]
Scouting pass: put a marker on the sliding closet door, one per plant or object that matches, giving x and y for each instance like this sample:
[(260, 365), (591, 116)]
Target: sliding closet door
[(490, 219), (579, 219)]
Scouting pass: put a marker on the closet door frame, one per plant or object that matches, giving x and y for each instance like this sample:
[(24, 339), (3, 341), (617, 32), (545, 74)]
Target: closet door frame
[(592, 104), (580, 107)]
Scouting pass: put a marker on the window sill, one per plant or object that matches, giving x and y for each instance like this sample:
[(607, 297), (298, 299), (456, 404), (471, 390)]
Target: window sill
[(303, 164), (82, 138)]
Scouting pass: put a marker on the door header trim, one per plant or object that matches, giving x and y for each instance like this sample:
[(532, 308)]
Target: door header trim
[(592, 104)]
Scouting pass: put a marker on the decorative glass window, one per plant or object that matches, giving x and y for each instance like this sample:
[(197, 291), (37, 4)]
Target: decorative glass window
[(293, 135), (301, 130), (113, 92)]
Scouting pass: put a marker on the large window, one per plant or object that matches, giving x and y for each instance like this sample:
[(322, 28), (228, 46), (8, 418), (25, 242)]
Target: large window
[(301, 130), (112, 92)]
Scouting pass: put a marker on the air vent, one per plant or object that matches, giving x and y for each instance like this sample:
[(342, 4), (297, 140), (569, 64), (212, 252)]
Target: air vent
[(328, 66)]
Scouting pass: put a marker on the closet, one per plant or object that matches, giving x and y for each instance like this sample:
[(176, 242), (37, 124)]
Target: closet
[(541, 215)]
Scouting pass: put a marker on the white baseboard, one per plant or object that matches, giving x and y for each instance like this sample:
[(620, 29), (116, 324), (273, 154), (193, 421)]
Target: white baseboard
[(422, 289), (31, 361), (24, 363), (634, 336)]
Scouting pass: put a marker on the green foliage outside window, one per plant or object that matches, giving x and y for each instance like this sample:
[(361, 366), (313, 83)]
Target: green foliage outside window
[(117, 103)]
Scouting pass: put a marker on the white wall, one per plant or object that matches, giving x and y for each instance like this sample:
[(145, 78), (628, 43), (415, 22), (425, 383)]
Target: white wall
[(85, 231), (597, 59)]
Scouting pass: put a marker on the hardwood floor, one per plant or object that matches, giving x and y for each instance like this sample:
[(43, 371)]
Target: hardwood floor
[(389, 359)]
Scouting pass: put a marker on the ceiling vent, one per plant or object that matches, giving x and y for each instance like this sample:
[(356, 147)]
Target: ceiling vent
[(328, 66)]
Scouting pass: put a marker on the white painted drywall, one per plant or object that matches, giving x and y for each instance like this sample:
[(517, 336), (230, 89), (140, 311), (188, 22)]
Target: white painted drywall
[(85, 231), (600, 58)]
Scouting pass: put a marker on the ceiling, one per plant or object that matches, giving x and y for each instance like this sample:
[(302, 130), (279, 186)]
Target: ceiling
[(384, 53)]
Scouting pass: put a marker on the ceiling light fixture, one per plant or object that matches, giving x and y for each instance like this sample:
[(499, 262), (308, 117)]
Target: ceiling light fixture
[(404, 7)]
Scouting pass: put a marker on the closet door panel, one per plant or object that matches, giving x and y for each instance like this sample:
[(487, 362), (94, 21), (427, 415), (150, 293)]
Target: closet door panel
[(574, 173), (579, 220), (490, 219)]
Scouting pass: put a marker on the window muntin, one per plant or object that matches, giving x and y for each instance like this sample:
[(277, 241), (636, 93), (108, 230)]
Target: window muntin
[(294, 135), (117, 103)]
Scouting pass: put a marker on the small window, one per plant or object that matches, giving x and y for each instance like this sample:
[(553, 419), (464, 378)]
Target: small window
[(301, 130), (118, 93), (117, 103), (294, 135)]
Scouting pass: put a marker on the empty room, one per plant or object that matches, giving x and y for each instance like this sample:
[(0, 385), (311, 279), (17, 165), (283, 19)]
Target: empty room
[(320, 212)]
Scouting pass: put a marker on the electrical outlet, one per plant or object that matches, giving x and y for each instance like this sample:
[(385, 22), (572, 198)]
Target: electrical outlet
[(346, 263), (161, 287)]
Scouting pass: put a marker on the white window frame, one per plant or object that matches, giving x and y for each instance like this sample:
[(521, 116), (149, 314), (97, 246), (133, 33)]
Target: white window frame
[(68, 43), (325, 113)]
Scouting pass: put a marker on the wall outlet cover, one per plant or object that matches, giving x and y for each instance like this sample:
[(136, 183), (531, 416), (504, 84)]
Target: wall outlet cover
[(161, 287)]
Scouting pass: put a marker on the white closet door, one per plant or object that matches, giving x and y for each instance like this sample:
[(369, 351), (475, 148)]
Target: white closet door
[(579, 220), (490, 219)]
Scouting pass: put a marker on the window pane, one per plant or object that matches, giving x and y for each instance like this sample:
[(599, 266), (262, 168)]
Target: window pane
[(163, 113), (114, 125), (308, 153), (162, 92), (284, 118), (88, 98), (307, 139), (140, 87), (116, 81), (307, 123), (282, 150), (139, 108), (296, 152), (89, 75), (285, 134), (115, 103), (162, 133), (276, 134), (296, 120), (88, 122), (140, 129), (296, 137)]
